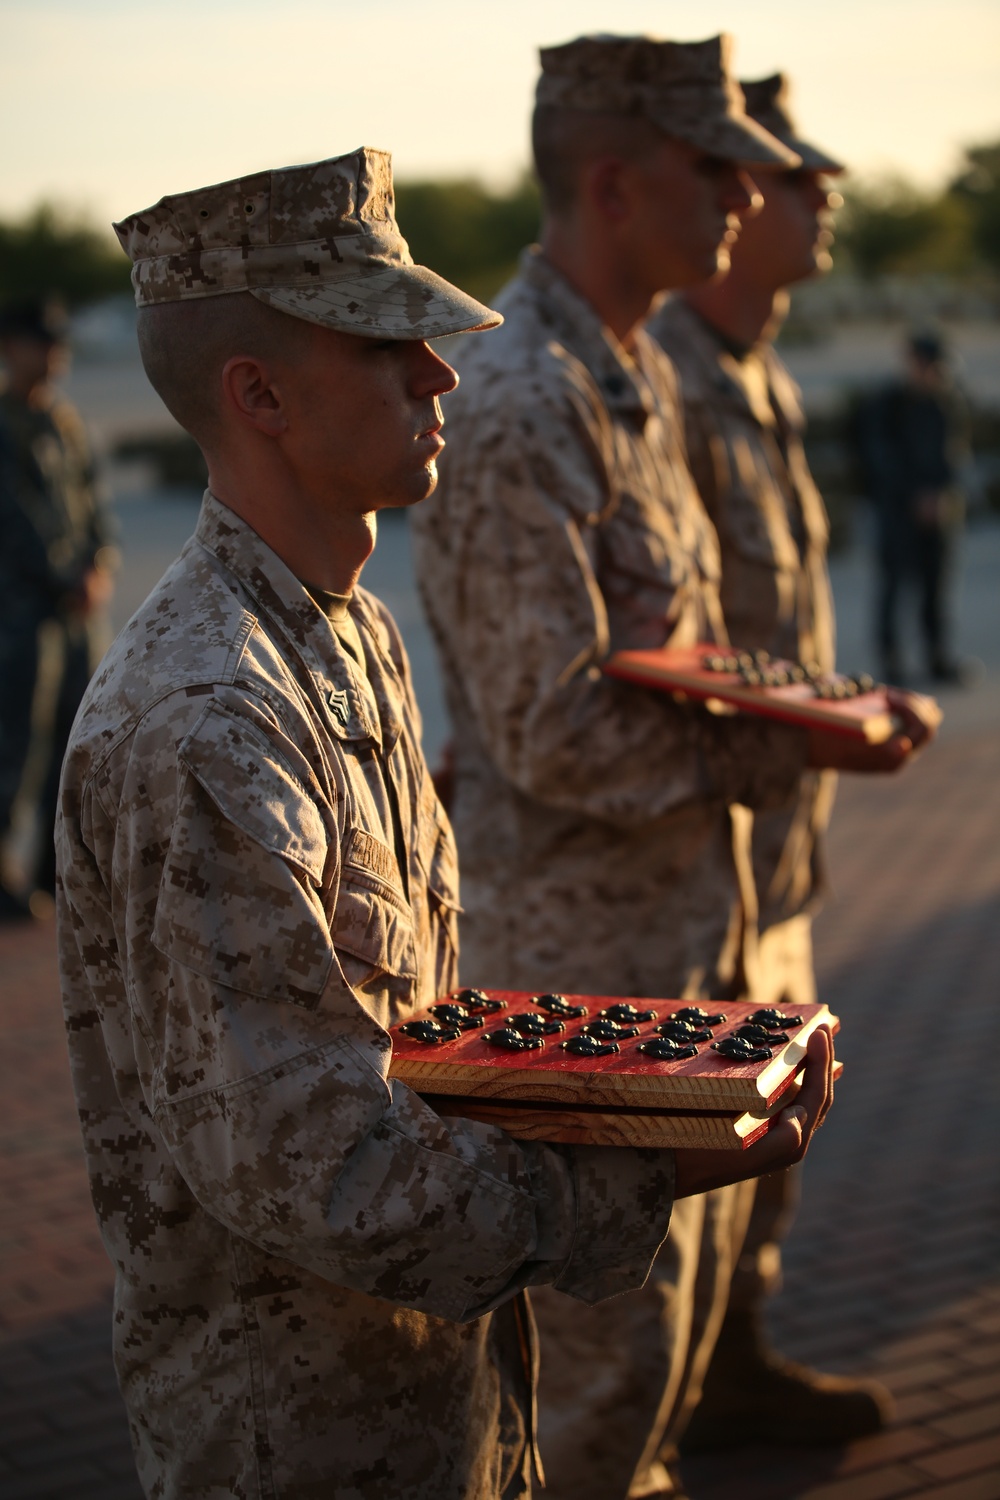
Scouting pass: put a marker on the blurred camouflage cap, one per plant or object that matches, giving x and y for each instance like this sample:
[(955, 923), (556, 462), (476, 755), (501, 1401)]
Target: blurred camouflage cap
[(318, 241), (685, 88), (767, 102)]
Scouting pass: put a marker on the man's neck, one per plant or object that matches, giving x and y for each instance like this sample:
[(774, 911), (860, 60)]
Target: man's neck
[(320, 544), (620, 304), (743, 315)]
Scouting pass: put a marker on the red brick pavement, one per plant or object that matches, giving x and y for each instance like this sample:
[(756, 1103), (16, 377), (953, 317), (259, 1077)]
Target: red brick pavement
[(893, 1266)]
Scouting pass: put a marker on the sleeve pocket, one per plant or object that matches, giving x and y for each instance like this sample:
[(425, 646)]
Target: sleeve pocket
[(257, 789), (235, 903)]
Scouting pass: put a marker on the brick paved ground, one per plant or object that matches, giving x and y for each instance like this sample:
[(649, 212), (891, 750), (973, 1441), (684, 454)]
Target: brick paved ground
[(894, 1265)]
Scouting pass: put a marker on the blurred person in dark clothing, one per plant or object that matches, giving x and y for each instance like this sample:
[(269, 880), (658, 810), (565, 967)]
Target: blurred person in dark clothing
[(56, 566), (912, 438)]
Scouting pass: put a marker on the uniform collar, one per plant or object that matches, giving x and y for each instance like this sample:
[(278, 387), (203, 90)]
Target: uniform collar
[(352, 707), (754, 380), (620, 378)]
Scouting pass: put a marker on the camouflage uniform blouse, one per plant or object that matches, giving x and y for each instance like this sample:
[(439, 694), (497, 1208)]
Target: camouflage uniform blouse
[(591, 816), (744, 425), (307, 1257)]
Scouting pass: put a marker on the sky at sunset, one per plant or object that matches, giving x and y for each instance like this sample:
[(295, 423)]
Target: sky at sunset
[(106, 105)]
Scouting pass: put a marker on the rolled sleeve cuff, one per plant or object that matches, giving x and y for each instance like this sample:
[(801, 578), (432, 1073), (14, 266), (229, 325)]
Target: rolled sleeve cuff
[(623, 1203)]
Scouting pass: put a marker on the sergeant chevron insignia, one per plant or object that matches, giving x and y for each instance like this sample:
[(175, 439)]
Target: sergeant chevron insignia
[(337, 700)]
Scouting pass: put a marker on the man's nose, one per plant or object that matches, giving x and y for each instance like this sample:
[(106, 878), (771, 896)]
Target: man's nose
[(821, 194), (738, 193), (430, 375)]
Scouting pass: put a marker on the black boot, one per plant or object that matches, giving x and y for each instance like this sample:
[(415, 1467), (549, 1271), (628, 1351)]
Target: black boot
[(753, 1395)]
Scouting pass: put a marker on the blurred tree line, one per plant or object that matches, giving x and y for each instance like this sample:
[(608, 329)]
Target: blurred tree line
[(891, 227), (53, 252), (465, 232), (461, 229), (473, 235)]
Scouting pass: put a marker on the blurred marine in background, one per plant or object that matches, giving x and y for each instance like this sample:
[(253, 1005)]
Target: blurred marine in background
[(744, 426), (56, 565), (913, 440)]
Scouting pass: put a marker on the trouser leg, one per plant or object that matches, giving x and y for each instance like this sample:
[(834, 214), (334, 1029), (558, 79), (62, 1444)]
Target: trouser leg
[(74, 677), (727, 1219), (891, 572), (750, 1393), (932, 566), (786, 977), (614, 1377), (18, 675)]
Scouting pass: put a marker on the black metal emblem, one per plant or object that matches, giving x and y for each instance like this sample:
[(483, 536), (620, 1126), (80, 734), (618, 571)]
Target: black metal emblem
[(529, 1023), (452, 1014), (737, 1050), (558, 1005), (608, 1031), (683, 1031), (509, 1040), (773, 1020), (429, 1032), (695, 1016), (478, 1002), (589, 1046), (664, 1050), (759, 1036), (624, 1013)]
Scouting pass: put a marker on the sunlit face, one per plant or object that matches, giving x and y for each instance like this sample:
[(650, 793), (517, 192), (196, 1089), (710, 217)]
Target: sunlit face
[(364, 417), (692, 205), (790, 238)]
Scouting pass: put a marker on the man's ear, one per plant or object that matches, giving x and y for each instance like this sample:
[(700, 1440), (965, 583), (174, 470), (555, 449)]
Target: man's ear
[(606, 183), (251, 394)]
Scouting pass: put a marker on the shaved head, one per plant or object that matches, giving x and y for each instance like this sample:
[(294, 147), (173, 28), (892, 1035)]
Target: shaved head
[(566, 141), (186, 345)]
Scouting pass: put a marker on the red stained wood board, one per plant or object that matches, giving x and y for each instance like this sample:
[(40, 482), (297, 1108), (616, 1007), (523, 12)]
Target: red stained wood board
[(689, 1129), (867, 717), (469, 1068)]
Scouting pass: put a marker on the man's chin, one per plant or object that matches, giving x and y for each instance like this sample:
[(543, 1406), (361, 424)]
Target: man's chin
[(712, 266), (417, 489)]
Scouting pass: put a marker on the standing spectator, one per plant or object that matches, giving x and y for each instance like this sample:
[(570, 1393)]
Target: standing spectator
[(56, 563), (912, 437)]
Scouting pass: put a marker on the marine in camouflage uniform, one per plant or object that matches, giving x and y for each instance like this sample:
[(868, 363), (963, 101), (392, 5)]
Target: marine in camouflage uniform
[(56, 558), (744, 428), (603, 830), (318, 1280)]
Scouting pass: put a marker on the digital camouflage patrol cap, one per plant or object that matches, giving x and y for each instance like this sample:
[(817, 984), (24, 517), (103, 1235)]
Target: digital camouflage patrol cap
[(767, 102), (686, 89), (319, 241)]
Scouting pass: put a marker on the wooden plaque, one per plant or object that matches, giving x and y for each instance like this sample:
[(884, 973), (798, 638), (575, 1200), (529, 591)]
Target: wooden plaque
[(867, 716), (469, 1067), (592, 1125)]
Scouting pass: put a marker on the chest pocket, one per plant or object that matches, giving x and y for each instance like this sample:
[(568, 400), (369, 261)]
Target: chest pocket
[(372, 922), (751, 512)]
